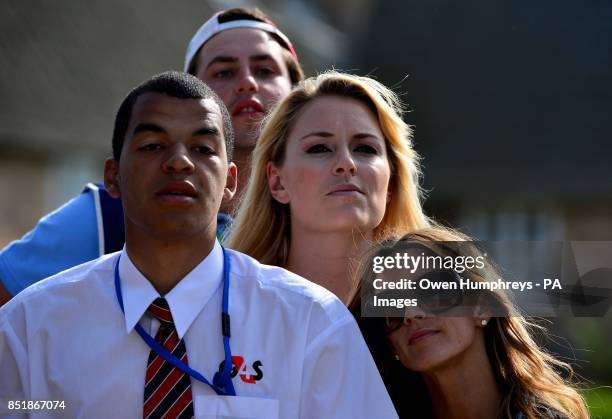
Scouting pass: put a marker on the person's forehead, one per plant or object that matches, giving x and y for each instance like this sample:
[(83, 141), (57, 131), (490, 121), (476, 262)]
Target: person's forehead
[(337, 101), (240, 43), (164, 109), (332, 110)]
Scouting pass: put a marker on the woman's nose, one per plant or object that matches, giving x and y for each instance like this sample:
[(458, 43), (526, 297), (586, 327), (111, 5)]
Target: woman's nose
[(412, 313), (345, 163)]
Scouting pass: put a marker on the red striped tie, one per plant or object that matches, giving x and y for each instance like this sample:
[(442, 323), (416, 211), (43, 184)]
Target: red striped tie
[(167, 389)]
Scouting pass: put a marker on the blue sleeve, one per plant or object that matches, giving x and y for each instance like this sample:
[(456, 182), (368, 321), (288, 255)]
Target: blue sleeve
[(62, 239), (224, 225)]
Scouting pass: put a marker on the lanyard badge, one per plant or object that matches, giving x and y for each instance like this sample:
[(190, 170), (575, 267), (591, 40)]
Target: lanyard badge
[(222, 382)]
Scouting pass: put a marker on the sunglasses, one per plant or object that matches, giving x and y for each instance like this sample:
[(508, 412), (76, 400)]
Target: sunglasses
[(433, 300)]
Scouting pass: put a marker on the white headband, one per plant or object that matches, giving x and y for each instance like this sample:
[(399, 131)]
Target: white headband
[(212, 27)]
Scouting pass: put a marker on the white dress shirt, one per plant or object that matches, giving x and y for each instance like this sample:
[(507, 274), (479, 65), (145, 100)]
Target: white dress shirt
[(301, 353)]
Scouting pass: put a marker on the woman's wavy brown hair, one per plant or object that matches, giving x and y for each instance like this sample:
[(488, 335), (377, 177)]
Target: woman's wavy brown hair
[(532, 381)]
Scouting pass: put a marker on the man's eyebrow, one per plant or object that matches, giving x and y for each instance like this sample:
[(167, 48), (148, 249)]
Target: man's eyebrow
[(207, 131), (323, 134), (222, 59), (147, 127), (261, 57)]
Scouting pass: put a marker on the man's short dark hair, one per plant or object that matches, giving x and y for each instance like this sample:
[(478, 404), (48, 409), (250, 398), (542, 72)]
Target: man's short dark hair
[(296, 74), (174, 84)]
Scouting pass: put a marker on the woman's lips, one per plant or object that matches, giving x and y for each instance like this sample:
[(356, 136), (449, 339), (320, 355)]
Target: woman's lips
[(347, 189), (420, 335)]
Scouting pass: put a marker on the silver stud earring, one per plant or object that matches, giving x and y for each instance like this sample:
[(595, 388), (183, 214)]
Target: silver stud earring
[(484, 323), (396, 357)]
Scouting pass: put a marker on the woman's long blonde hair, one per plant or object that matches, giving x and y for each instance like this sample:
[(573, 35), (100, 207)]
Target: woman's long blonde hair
[(529, 378), (262, 227)]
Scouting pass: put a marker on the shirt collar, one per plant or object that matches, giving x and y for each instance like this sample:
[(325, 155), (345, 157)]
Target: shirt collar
[(186, 299)]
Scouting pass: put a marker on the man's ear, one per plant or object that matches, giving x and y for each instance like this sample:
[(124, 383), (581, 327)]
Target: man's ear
[(111, 177), (231, 184), (275, 184)]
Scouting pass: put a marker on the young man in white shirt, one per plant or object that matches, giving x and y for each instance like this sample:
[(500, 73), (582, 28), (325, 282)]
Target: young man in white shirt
[(138, 332), (250, 64)]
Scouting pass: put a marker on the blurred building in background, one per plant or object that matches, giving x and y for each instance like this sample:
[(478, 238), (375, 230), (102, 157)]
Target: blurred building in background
[(65, 68), (509, 100)]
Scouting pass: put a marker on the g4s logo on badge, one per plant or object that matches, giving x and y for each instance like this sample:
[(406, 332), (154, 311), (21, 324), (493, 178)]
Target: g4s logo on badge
[(239, 367)]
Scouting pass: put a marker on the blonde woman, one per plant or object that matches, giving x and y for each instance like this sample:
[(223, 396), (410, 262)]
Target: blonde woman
[(333, 171), (461, 354)]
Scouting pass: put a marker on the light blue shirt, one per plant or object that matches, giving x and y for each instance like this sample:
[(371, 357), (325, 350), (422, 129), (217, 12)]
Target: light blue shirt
[(65, 238), (69, 236)]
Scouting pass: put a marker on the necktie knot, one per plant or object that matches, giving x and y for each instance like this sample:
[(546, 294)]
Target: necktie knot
[(161, 311)]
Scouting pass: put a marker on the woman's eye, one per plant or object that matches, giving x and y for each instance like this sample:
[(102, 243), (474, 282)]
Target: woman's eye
[(368, 149), (317, 148)]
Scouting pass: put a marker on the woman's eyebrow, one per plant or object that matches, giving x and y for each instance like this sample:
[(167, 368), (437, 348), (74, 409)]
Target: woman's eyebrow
[(365, 135), (324, 134)]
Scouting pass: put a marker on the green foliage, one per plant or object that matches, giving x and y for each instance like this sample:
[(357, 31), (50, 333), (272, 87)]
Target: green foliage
[(599, 401)]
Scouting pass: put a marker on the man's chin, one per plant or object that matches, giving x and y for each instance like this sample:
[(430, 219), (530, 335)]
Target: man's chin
[(245, 141), (245, 133)]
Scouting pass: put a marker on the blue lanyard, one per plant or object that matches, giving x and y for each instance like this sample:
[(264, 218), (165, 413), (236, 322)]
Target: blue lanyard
[(222, 382)]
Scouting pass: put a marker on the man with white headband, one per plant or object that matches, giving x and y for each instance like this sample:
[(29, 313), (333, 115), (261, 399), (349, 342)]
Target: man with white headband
[(249, 63)]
